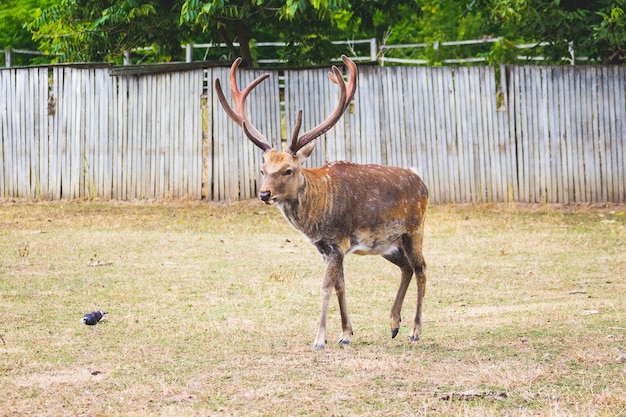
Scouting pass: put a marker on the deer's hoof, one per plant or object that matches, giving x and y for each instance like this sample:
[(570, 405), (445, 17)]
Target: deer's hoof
[(414, 338), (394, 332), (344, 342), (318, 346)]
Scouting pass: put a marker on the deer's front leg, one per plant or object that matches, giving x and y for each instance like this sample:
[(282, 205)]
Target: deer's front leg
[(333, 279), (340, 289)]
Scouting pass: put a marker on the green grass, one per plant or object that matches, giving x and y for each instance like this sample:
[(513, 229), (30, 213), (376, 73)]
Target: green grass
[(213, 309)]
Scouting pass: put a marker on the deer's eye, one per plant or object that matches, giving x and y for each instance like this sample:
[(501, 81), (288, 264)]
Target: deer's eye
[(262, 173), (288, 172)]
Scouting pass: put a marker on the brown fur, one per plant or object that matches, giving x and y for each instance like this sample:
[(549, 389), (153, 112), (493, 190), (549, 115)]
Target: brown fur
[(347, 208)]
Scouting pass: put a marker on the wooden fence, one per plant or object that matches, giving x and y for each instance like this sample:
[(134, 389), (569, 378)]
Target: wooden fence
[(476, 134), (80, 133)]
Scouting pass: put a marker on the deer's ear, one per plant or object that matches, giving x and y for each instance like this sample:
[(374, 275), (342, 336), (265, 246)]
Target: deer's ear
[(305, 152)]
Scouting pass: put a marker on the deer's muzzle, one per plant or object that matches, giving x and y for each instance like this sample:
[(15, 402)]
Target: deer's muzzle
[(265, 196)]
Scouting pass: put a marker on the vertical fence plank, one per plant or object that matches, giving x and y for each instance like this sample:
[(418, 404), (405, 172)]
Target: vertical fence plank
[(150, 130), (76, 145), (586, 137), (223, 130), (465, 135), (408, 120), (385, 120), (601, 124), (40, 79), (65, 129), (481, 162), (520, 116), (366, 149), (430, 101), (183, 94), (131, 101), (88, 179), (568, 137), (12, 146), (30, 139), (208, 160), (4, 133), (539, 133), (15, 151), (418, 123), (463, 112), (512, 129), (160, 140), (64, 108), (533, 91), (123, 154), (22, 118), (482, 135), (195, 131), (487, 94), (505, 147), (180, 96), (147, 123), (449, 135), (560, 139), (591, 148), (618, 132), (421, 94), (439, 137)]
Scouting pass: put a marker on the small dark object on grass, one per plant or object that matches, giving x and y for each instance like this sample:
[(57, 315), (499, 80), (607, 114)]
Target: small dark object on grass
[(93, 318)]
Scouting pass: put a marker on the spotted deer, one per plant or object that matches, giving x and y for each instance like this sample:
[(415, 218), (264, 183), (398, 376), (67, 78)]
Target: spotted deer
[(342, 207)]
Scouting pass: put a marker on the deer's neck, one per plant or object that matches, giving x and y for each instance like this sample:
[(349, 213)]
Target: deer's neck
[(308, 211)]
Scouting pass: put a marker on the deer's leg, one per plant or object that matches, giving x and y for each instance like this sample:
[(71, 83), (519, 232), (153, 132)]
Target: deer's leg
[(346, 326), (413, 248), (398, 258), (421, 290), (333, 279)]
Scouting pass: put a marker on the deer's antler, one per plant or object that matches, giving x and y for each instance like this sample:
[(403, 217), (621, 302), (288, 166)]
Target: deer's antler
[(239, 114), (346, 95)]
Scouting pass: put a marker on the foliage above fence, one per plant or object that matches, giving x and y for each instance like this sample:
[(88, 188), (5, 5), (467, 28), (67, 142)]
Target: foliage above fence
[(494, 50), (476, 134)]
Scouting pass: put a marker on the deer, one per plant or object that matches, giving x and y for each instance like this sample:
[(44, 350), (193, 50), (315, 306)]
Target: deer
[(341, 207)]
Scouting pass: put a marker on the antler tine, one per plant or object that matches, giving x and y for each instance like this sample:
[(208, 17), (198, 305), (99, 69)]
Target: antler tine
[(294, 135), (260, 142), (346, 95), (239, 98), (351, 86)]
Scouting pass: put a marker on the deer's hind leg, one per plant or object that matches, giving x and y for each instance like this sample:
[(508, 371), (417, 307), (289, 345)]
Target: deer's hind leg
[(399, 258), (413, 251)]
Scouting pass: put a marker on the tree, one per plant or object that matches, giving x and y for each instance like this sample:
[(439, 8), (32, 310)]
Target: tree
[(87, 30), (597, 29), (14, 15), (293, 21), (101, 30)]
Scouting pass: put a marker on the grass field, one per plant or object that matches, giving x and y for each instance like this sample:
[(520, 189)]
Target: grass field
[(213, 309)]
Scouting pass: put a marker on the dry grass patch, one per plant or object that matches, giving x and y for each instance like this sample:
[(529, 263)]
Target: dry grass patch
[(212, 310)]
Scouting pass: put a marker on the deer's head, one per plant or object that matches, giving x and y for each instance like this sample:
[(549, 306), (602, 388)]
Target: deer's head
[(282, 170)]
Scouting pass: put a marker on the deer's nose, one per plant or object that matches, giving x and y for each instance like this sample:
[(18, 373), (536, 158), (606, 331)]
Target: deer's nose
[(265, 196)]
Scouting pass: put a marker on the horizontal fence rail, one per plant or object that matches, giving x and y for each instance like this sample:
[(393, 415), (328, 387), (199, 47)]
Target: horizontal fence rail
[(530, 134)]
